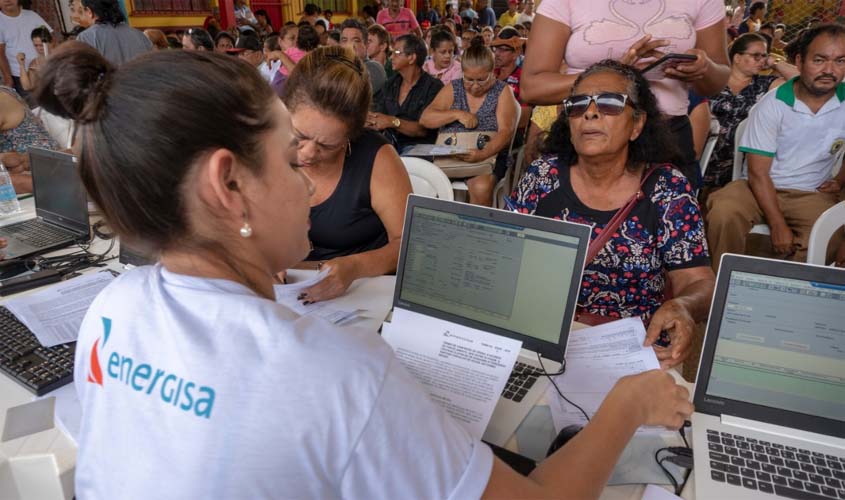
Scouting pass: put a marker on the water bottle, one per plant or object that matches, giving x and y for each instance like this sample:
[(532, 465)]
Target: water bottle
[(9, 203)]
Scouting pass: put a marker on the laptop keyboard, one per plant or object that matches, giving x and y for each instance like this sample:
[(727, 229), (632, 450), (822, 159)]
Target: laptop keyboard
[(40, 369), (774, 468), (36, 233), (522, 378)]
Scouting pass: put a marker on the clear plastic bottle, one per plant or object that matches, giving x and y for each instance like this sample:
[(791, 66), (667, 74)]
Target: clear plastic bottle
[(9, 203)]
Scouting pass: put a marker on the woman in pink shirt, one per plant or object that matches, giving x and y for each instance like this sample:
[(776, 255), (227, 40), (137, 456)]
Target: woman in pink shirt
[(633, 33), (442, 64), (398, 20)]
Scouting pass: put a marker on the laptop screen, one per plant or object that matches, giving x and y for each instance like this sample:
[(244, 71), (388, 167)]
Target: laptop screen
[(509, 278), (59, 194), (781, 344)]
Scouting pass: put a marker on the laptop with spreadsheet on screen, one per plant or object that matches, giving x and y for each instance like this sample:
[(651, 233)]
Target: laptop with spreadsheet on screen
[(61, 207), (501, 272), (770, 393)]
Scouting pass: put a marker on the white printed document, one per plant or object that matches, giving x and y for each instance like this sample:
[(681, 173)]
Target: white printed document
[(55, 314), (596, 358), (463, 369)]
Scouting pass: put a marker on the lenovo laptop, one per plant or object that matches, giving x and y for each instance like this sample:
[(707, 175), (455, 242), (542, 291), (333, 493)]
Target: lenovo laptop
[(770, 394), (501, 272), (61, 207)]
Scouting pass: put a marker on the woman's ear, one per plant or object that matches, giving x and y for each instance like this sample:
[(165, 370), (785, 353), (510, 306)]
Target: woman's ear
[(639, 124), (222, 181)]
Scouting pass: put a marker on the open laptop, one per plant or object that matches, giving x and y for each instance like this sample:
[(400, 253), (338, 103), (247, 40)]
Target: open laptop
[(61, 207), (770, 394), (501, 272)]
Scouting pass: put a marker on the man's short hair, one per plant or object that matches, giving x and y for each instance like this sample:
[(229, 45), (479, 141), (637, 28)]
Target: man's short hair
[(379, 31), (414, 45), (356, 25), (809, 35), (756, 6)]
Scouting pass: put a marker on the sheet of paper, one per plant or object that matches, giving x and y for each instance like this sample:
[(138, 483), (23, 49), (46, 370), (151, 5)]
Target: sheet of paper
[(596, 358), (434, 150), (28, 418), (653, 492), (55, 314), (463, 369), (288, 295), (68, 410)]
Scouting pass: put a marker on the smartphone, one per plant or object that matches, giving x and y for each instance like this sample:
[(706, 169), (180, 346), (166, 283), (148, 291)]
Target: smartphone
[(657, 69)]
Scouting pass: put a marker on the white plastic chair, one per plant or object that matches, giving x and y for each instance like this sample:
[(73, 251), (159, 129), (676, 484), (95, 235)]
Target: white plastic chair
[(460, 187), (710, 145), (427, 179), (60, 129), (830, 221), (740, 169)]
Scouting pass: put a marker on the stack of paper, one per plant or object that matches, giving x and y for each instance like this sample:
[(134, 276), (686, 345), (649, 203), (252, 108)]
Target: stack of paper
[(287, 295), (595, 359)]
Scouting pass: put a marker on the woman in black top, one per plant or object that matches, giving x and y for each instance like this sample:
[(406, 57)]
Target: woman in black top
[(360, 184)]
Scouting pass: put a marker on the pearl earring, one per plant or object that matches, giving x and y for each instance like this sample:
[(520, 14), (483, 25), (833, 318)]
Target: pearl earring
[(246, 229)]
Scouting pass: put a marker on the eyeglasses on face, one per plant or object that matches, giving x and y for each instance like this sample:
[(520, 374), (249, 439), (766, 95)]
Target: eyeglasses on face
[(608, 103), (758, 56), (482, 141), (470, 82)]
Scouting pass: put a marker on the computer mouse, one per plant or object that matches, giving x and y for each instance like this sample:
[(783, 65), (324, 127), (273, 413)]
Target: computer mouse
[(563, 437)]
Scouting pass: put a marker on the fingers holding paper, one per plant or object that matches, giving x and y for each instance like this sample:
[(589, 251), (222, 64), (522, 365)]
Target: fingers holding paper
[(658, 398), (673, 318)]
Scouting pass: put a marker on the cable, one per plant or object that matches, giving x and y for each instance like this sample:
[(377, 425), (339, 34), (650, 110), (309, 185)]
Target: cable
[(552, 380), (665, 470)]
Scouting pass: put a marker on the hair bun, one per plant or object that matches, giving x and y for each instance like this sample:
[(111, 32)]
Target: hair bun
[(74, 83), (477, 41)]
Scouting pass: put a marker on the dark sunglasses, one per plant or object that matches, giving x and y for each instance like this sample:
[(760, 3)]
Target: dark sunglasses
[(482, 141), (608, 103)]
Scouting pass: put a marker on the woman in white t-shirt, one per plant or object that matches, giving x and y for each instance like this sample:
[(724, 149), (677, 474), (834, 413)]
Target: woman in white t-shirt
[(580, 34), (193, 382)]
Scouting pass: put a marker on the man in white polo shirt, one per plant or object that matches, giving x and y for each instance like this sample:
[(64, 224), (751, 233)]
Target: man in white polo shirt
[(794, 139)]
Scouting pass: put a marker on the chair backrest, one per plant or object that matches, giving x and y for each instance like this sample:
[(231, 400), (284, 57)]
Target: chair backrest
[(60, 129), (830, 221), (427, 179), (739, 157), (710, 145)]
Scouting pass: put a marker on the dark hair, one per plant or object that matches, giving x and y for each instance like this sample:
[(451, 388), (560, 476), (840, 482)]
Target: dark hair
[(379, 31), (310, 9), (200, 38), (756, 6), (354, 24), (322, 23), (808, 36), (333, 80), (107, 11), (272, 42), (138, 179), (767, 26), (262, 12), (43, 33), (328, 12), (414, 46), (290, 23), (307, 38), (368, 10), (224, 34), (173, 42), (654, 145), (742, 42), (440, 36), (335, 35), (477, 55)]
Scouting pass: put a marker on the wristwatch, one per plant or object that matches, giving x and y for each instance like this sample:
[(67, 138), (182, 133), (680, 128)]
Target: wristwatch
[(396, 123)]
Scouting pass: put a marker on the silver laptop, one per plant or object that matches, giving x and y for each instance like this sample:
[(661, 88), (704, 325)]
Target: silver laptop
[(770, 394), (61, 207), (505, 273)]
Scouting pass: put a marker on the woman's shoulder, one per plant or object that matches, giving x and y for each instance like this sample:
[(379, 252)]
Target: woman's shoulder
[(667, 181)]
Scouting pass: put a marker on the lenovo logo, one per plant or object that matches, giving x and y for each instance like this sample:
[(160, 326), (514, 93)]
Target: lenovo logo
[(714, 401)]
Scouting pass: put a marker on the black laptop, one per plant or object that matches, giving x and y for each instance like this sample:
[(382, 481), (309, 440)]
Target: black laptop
[(61, 207)]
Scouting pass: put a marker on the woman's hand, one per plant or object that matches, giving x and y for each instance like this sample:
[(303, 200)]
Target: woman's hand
[(691, 71), (655, 397), (340, 273), (15, 162), (379, 121), (475, 156), (674, 318), (467, 119), (21, 57), (644, 47)]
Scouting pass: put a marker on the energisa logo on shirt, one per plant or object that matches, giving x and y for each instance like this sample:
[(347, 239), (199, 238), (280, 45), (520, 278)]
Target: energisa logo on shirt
[(144, 378)]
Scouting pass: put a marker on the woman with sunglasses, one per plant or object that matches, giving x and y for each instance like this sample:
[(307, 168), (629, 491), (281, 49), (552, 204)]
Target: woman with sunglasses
[(190, 368), (745, 87), (360, 184), (608, 139), (478, 102)]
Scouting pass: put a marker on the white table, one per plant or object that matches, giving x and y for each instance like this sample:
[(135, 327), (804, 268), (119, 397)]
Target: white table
[(45, 462)]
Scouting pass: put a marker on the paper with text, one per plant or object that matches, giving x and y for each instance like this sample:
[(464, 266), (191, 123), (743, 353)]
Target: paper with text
[(463, 369), (54, 314), (288, 294), (596, 358)]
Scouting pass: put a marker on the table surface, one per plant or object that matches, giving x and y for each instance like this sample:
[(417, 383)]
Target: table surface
[(50, 456)]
